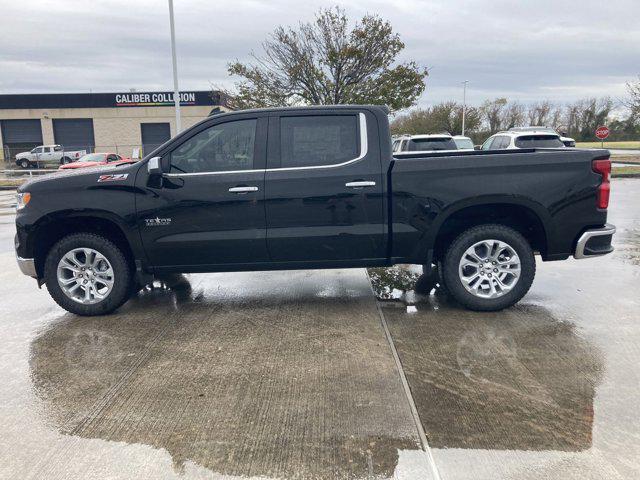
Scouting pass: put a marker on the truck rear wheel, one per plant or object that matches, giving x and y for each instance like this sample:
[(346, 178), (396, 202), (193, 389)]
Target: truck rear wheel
[(489, 267), (87, 274)]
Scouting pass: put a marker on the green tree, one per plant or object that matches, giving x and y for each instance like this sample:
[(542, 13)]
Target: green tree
[(326, 62)]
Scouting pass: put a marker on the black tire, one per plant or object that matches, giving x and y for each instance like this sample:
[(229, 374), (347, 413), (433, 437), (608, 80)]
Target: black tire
[(485, 232), (123, 278), (65, 160), (24, 163)]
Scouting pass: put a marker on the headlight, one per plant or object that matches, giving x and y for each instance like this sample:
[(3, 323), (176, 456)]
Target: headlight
[(22, 199)]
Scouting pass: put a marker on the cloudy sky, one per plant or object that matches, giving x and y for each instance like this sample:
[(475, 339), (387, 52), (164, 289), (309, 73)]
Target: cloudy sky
[(526, 50)]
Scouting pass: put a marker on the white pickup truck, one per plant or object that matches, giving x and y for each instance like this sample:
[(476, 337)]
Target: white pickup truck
[(47, 155)]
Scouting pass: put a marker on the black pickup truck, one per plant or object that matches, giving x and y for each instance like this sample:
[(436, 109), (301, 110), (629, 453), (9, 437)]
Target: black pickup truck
[(312, 187)]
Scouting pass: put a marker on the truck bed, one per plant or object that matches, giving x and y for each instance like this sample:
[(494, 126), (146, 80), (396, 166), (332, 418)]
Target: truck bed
[(557, 186)]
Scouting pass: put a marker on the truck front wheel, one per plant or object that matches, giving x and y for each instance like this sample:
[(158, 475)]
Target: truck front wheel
[(24, 163), (87, 274), (489, 267)]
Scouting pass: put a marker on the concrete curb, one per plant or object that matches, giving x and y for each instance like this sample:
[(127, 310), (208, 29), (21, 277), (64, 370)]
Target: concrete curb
[(628, 175)]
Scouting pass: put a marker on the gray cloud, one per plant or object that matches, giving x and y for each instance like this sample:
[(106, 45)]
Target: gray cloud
[(525, 50)]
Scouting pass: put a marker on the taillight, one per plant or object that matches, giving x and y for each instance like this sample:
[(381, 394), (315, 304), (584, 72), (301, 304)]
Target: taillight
[(603, 167)]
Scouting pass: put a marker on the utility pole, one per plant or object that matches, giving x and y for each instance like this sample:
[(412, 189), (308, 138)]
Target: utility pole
[(176, 91), (464, 103)]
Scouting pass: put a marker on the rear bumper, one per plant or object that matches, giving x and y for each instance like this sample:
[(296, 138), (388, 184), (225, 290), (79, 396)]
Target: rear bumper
[(27, 266), (595, 242)]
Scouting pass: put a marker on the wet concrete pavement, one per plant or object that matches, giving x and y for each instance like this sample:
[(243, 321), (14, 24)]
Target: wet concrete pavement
[(289, 375)]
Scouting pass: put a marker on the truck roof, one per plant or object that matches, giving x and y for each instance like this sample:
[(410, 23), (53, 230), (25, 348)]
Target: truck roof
[(303, 108)]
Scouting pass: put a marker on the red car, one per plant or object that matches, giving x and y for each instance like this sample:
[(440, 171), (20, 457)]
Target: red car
[(96, 159)]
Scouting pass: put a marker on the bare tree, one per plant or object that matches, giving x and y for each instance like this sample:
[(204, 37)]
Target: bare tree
[(445, 117), (633, 100), (327, 62), (493, 113), (539, 114), (513, 115)]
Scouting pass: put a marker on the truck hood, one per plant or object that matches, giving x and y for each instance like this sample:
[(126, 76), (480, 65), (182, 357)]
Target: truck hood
[(76, 177), (22, 155)]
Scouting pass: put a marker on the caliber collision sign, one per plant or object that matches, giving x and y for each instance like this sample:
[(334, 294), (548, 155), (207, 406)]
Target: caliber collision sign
[(602, 132)]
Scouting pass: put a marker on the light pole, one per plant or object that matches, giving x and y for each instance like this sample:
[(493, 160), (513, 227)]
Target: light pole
[(176, 91), (464, 103)]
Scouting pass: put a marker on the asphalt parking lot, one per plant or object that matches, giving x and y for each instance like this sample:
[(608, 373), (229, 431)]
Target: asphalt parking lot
[(291, 375)]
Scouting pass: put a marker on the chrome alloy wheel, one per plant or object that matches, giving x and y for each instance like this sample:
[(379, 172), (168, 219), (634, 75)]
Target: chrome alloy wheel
[(85, 275), (489, 269)]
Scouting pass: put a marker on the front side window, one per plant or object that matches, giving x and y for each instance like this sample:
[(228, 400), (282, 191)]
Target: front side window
[(317, 140), (221, 148), (539, 141), (487, 144), (500, 143), (39, 149)]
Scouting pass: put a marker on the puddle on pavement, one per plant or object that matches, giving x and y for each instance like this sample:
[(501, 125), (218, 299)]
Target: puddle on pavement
[(627, 245), (300, 389), (519, 379), (7, 202)]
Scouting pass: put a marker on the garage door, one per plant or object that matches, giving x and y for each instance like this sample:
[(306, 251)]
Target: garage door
[(20, 135), (154, 135), (74, 133)]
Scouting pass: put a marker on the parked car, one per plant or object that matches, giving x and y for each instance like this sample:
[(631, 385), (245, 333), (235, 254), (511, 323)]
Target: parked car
[(94, 160), (47, 155), (463, 143), (313, 187), (568, 141), (514, 140), (424, 143)]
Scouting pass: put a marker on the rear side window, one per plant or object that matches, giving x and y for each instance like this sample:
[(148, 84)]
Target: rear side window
[(316, 140), (431, 144), (463, 143), (221, 148), (539, 141)]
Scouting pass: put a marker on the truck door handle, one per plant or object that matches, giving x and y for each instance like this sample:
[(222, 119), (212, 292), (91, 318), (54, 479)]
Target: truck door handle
[(360, 184), (243, 189)]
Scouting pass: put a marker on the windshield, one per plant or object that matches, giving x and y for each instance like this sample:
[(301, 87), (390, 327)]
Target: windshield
[(92, 157), (463, 143), (539, 141), (431, 144)]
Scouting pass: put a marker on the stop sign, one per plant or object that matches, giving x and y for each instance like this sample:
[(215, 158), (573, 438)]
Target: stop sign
[(602, 132)]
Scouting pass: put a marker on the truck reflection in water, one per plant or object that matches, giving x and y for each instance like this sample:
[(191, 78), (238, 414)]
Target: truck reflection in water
[(262, 374), (519, 379)]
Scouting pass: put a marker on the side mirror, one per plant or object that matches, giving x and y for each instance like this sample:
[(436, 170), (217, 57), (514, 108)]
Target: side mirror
[(153, 167)]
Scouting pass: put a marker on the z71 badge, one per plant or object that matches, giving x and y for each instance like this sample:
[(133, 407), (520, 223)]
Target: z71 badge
[(113, 178)]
